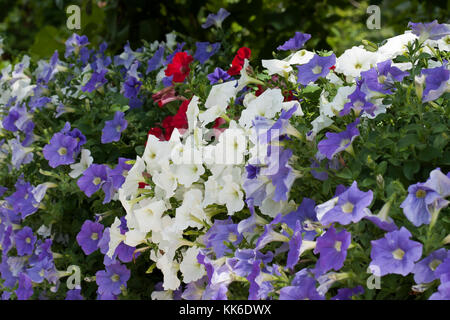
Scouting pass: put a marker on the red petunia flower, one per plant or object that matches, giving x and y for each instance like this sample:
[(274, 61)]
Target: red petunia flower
[(238, 60), (157, 132), (179, 67), (179, 121)]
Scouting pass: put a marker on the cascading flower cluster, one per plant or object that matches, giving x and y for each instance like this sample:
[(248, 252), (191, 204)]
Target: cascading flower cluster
[(247, 183)]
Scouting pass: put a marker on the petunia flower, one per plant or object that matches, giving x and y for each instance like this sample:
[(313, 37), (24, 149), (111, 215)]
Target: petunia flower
[(205, 50), (436, 82), (295, 43), (395, 253), (25, 241), (179, 67), (317, 67), (216, 19), (89, 236), (112, 279), (337, 142), (432, 30), (332, 247), (113, 128), (218, 76), (60, 150), (349, 206), (93, 179), (424, 270)]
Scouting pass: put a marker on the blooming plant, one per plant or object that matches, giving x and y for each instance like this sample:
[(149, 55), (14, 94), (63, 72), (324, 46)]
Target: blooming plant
[(165, 174)]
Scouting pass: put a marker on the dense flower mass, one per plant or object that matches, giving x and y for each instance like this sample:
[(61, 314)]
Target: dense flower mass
[(300, 178)]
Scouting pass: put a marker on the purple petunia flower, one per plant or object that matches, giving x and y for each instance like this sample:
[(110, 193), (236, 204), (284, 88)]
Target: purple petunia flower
[(96, 81), (303, 287), (317, 67), (332, 247), (350, 206), (416, 206), (382, 77), (296, 42), (89, 236), (93, 178), (443, 292), (218, 76), (306, 215), (337, 142), (270, 235), (431, 30), (424, 270), (74, 294), (111, 280), (25, 289), (395, 253), (205, 50), (113, 128), (436, 82), (25, 240), (74, 43), (220, 232), (294, 246), (60, 150), (358, 102), (216, 19), (348, 293), (156, 61)]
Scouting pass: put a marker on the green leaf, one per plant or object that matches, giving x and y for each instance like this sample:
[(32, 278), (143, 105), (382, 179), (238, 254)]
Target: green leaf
[(410, 168)]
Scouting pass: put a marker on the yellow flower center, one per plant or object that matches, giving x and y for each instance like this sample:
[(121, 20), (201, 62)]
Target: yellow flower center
[(338, 246), (421, 193), (62, 151), (96, 181), (94, 236), (398, 254), (347, 207), (434, 264)]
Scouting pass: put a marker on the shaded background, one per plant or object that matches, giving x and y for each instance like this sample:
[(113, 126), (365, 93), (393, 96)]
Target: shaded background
[(39, 27)]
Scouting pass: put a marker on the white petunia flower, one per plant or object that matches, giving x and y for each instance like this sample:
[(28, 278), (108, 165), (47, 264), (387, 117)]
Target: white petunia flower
[(355, 60), (148, 217), (115, 237), (85, 161), (231, 195), (300, 57), (275, 66), (189, 267)]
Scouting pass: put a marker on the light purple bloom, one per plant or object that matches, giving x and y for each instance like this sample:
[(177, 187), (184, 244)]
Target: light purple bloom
[(218, 76), (348, 293), (25, 240), (337, 142), (205, 50), (424, 270), (220, 232), (436, 82), (294, 246), (113, 128), (381, 78), (395, 253), (350, 206), (332, 247), (317, 67), (89, 236), (303, 287), (270, 235), (96, 81), (416, 206), (431, 30), (306, 215), (93, 179), (296, 42), (25, 289), (112, 279), (75, 42), (216, 19), (60, 150), (156, 61), (74, 294)]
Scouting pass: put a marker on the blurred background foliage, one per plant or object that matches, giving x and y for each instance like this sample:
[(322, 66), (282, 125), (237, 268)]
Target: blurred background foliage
[(39, 27)]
